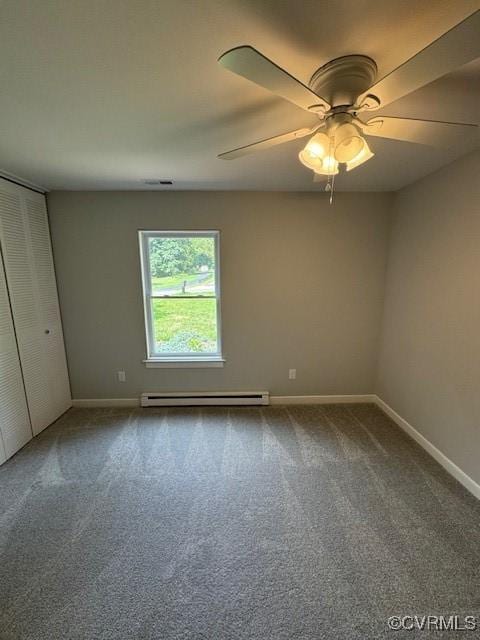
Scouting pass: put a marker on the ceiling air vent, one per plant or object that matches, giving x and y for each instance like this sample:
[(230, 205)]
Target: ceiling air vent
[(156, 182)]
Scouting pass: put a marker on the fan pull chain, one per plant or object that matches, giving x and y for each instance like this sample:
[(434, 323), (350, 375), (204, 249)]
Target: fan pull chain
[(332, 189), (329, 187)]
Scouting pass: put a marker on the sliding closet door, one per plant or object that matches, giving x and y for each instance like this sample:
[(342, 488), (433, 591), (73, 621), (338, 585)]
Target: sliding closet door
[(15, 429), (48, 310), (3, 455), (30, 275)]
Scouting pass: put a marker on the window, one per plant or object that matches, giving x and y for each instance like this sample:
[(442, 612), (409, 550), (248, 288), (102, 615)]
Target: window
[(181, 295)]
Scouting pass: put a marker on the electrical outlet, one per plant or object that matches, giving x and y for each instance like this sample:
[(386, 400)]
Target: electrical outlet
[(292, 374), (121, 376)]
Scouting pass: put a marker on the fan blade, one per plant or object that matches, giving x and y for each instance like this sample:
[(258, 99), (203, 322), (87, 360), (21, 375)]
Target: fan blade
[(452, 50), (252, 65), (265, 144), (429, 132)]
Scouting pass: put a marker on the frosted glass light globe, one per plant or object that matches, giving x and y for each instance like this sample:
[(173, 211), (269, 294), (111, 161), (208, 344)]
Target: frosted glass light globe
[(348, 143)]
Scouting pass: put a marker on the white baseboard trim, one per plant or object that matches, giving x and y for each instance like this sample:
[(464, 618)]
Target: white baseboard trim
[(351, 399), (440, 457), (105, 402)]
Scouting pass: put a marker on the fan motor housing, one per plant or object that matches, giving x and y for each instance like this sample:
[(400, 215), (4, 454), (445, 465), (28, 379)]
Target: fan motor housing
[(342, 80)]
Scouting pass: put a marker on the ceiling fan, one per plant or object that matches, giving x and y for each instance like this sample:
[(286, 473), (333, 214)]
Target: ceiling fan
[(345, 87)]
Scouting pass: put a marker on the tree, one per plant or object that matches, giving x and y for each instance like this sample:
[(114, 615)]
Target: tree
[(204, 252), (170, 256)]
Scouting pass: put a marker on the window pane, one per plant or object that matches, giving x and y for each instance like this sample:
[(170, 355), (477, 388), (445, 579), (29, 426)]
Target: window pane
[(185, 326), (181, 266)]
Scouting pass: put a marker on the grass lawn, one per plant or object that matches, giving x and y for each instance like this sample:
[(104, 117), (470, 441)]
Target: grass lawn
[(190, 324)]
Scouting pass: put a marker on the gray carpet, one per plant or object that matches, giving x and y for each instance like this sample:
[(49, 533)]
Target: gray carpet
[(296, 523)]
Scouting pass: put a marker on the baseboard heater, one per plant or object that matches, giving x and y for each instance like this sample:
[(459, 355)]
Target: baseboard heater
[(204, 398)]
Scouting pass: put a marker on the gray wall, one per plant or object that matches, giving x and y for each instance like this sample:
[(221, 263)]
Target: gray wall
[(302, 287), (429, 365)]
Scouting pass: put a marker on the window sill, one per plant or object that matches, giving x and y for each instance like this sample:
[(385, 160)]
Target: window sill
[(184, 363)]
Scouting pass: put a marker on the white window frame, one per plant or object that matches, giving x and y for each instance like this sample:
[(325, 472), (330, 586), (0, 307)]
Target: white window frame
[(153, 359)]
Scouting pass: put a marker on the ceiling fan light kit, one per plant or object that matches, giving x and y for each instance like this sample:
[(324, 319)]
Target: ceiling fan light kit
[(341, 143), (345, 87)]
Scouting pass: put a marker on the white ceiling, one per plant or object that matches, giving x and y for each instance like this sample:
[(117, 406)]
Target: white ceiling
[(101, 94)]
